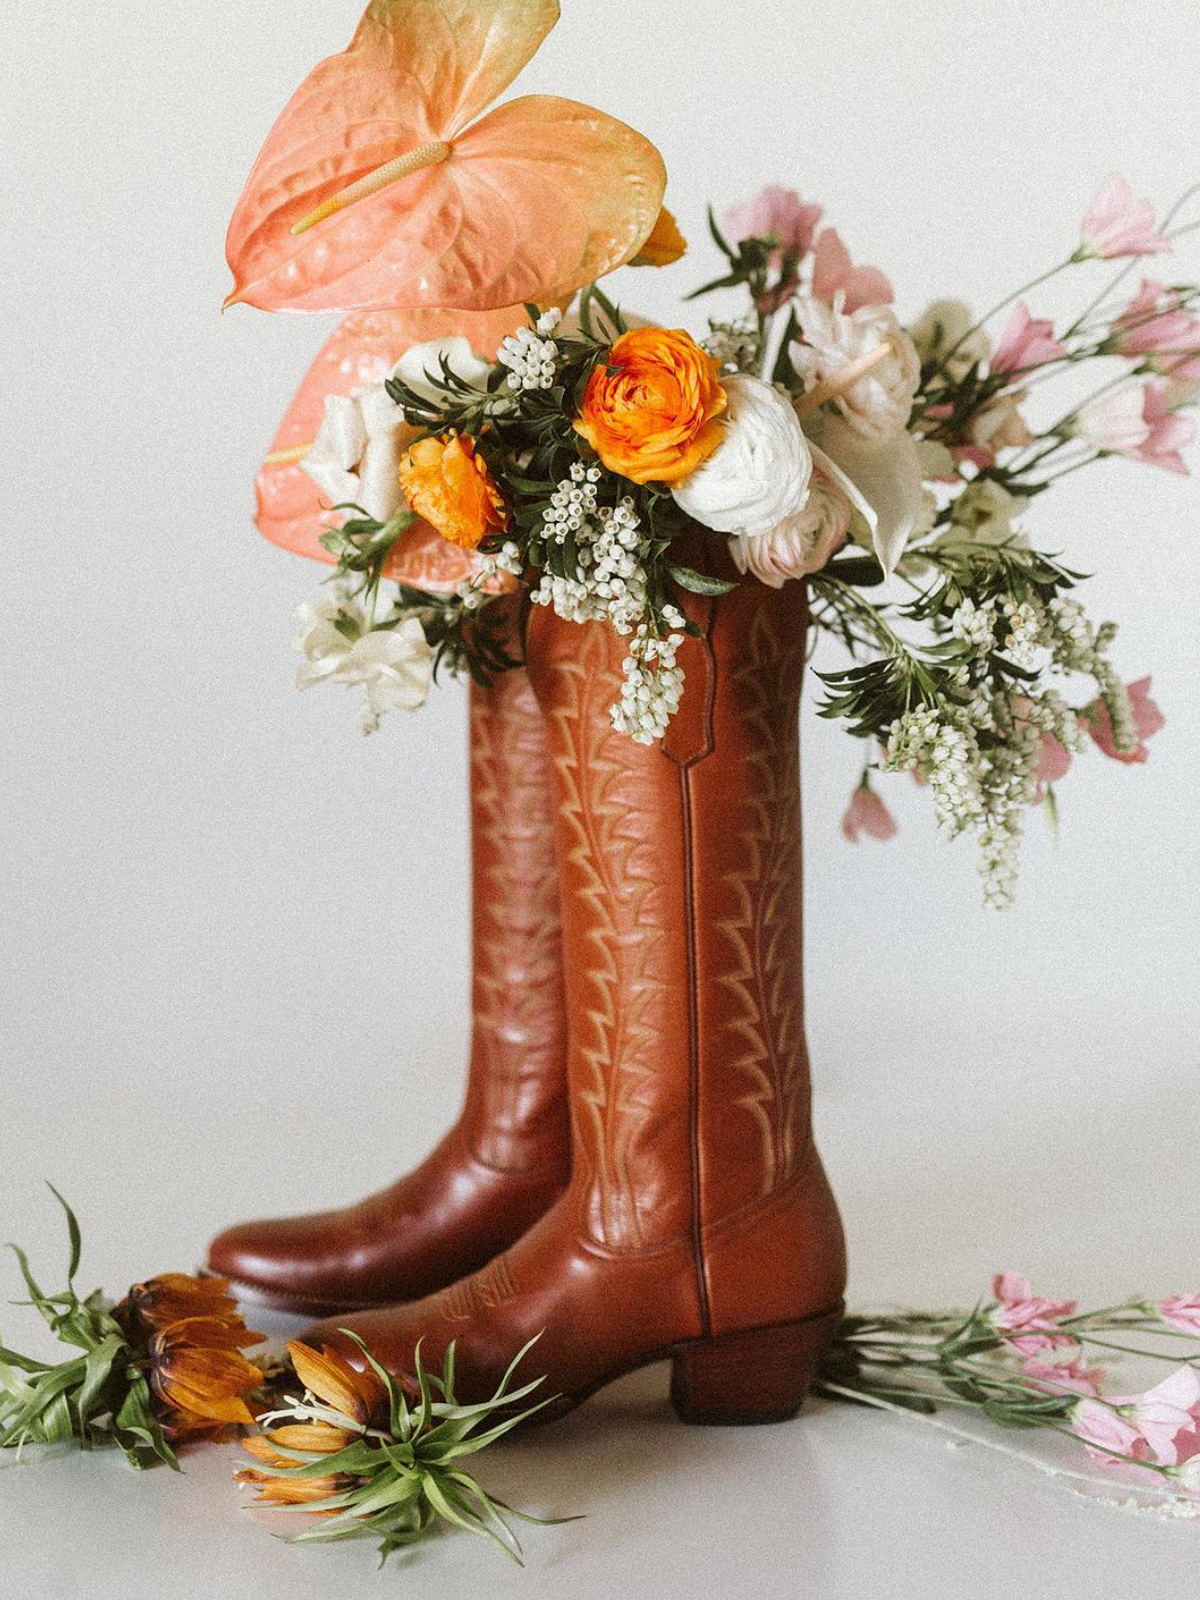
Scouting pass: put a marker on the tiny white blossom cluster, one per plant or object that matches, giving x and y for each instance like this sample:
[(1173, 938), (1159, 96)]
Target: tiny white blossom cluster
[(981, 756), (736, 345), (530, 354), (653, 683), (611, 551), (473, 591)]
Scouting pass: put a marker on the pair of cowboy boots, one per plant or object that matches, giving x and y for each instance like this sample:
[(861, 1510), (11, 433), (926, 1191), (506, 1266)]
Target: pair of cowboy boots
[(633, 1174)]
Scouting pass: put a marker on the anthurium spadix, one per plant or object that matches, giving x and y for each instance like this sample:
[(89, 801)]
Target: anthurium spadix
[(293, 511), (382, 186)]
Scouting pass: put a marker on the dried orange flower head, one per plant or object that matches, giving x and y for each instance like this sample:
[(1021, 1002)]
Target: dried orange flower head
[(331, 1378), (172, 1296), (199, 1376), (664, 246), (650, 411), (448, 484)]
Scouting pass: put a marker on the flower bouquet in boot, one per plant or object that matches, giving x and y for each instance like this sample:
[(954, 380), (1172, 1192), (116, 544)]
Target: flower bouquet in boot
[(508, 472)]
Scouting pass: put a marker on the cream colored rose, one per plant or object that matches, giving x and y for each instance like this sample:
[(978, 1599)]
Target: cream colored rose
[(801, 543), (878, 403), (759, 473), (355, 458), (420, 367)]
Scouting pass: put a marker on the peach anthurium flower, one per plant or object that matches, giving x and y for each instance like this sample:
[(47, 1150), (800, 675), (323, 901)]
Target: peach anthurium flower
[(294, 513), (377, 186)]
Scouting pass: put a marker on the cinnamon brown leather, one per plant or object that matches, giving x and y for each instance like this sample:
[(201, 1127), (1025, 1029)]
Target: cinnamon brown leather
[(507, 1157), (699, 1222)]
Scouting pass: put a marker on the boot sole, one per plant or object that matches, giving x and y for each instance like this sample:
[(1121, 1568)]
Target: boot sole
[(254, 1294)]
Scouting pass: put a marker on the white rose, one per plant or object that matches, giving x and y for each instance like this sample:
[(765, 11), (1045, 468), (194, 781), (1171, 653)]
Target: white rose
[(878, 403), (759, 473), (421, 363), (946, 325), (801, 543)]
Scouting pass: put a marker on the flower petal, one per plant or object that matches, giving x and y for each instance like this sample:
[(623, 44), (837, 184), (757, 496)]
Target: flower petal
[(883, 480)]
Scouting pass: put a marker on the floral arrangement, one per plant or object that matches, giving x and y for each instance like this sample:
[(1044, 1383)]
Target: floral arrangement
[(608, 466), (163, 1370)]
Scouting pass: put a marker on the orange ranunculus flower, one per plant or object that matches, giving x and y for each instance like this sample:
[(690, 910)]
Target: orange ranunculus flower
[(664, 245), (445, 482), (650, 410)]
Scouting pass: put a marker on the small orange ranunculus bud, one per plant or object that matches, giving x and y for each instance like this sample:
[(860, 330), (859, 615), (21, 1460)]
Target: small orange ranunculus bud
[(649, 410), (663, 246), (445, 482)]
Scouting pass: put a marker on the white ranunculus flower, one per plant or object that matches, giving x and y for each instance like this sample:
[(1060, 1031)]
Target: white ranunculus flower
[(759, 473), (878, 403), (946, 325), (420, 361), (801, 543)]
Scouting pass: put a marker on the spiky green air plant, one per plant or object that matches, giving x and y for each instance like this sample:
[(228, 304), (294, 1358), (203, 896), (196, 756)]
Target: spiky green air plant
[(396, 1480), (143, 1382)]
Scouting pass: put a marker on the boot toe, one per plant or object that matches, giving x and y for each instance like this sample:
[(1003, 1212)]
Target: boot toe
[(274, 1262)]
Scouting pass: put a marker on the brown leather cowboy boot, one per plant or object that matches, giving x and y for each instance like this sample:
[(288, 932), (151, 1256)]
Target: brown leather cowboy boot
[(507, 1157), (699, 1223)]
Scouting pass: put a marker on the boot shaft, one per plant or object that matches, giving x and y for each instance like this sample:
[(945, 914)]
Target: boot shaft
[(680, 873), (516, 1108)]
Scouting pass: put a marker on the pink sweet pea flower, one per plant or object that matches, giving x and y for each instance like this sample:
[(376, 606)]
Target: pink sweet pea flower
[(1054, 762), (1107, 1435), (1166, 1416), (1147, 718), (1115, 422), (1026, 342), (1167, 434), (1181, 1311), (867, 814), (1137, 421), (1118, 225), (1028, 1322), (777, 214), (1153, 325), (1063, 1377), (861, 286)]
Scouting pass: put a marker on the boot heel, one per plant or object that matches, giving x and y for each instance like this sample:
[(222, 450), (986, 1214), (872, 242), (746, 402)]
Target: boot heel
[(760, 1375)]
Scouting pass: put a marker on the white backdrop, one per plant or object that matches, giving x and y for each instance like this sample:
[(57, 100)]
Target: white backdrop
[(233, 933)]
